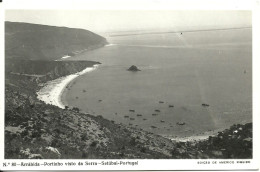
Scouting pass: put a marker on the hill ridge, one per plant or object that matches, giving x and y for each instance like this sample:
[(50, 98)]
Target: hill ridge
[(43, 42)]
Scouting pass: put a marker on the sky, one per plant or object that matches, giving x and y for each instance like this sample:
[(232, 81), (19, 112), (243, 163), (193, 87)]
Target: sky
[(132, 20)]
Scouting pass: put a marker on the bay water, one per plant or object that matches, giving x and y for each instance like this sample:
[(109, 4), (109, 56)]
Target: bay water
[(183, 70)]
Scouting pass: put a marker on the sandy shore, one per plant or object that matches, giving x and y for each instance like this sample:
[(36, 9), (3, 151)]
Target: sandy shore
[(52, 91), (201, 137), (190, 138), (65, 57), (109, 45)]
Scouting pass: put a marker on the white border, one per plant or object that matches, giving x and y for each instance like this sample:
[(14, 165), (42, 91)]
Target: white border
[(253, 5), (2, 101), (132, 4)]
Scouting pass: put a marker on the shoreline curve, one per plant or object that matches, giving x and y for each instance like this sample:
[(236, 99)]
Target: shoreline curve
[(52, 90)]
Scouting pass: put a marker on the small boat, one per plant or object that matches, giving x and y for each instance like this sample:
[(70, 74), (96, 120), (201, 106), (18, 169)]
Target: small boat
[(161, 101), (131, 110), (171, 106), (153, 126), (157, 110), (204, 104), (180, 123)]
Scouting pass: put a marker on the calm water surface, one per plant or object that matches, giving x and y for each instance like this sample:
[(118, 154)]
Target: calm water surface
[(184, 70)]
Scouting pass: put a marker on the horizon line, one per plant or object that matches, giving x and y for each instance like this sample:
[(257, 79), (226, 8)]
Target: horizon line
[(185, 31)]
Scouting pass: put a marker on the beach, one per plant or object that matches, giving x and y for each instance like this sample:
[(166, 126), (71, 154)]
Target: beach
[(194, 138), (190, 138), (51, 92)]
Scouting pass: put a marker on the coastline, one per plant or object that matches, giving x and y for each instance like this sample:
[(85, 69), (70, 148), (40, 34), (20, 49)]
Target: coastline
[(52, 91), (194, 138), (190, 138)]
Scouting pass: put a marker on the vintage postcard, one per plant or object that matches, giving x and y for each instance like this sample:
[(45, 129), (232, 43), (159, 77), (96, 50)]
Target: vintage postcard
[(108, 85)]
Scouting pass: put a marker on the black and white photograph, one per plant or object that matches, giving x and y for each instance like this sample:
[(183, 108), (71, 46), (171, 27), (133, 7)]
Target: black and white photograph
[(117, 84)]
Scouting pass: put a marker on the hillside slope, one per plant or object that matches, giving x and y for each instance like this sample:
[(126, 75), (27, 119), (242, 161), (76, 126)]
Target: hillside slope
[(41, 42)]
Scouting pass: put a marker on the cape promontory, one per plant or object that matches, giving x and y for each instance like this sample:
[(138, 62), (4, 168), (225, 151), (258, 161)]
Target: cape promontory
[(42, 42)]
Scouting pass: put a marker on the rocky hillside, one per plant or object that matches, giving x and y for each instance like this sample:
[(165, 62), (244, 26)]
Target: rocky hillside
[(41, 42), (232, 143)]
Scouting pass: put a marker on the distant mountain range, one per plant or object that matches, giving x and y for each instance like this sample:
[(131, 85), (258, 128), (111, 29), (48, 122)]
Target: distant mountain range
[(41, 42)]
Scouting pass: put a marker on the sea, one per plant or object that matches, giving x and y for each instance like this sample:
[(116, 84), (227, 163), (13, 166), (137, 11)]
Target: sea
[(180, 71)]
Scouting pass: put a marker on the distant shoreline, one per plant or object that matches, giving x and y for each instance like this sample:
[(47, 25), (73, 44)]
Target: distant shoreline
[(52, 91), (184, 31)]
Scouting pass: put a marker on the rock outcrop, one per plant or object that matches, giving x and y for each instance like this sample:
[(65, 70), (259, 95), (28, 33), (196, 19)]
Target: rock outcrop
[(133, 68)]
